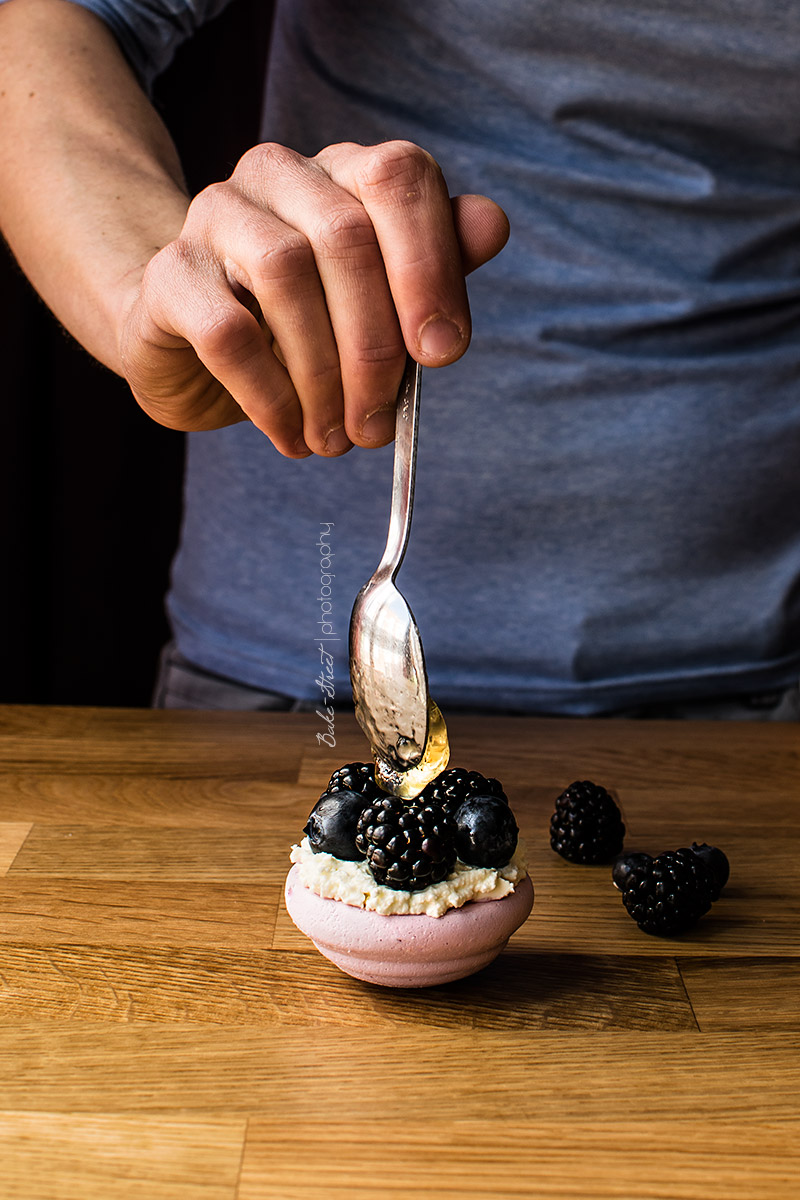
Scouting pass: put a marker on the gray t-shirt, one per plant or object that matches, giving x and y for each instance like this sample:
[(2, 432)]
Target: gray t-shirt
[(608, 494)]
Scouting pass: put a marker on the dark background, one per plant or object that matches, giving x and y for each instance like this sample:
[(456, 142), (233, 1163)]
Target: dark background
[(90, 487)]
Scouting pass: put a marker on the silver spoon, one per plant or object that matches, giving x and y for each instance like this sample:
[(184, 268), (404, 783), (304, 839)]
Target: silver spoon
[(387, 666)]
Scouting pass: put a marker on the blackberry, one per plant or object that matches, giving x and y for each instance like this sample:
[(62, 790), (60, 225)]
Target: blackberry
[(486, 832), (717, 862), (453, 786), (671, 894), (332, 824), (586, 826), (355, 777), (407, 845), (627, 867)]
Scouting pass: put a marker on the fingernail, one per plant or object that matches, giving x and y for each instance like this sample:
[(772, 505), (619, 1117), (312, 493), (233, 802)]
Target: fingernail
[(379, 425), (439, 338), (337, 441), (300, 447)]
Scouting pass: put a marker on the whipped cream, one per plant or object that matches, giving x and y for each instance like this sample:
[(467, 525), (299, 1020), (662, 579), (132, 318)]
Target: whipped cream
[(352, 883)]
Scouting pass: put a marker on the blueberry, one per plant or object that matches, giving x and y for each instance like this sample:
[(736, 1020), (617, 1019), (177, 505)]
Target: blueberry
[(486, 832), (331, 826), (717, 863)]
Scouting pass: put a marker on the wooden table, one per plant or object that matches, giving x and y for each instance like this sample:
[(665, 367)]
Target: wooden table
[(166, 1033)]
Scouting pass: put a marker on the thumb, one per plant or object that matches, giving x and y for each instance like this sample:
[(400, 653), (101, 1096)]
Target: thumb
[(482, 229)]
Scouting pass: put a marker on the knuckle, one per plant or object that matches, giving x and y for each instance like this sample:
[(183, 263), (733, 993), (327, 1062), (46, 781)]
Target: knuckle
[(264, 160), (172, 262), (381, 354), (280, 407), (224, 335), (206, 205), (345, 229), (285, 256), (324, 377), (211, 195), (399, 170)]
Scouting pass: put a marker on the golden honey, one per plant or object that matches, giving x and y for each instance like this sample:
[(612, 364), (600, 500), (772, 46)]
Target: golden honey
[(409, 783)]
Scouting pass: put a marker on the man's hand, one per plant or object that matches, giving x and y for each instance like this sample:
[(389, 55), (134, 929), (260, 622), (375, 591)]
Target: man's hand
[(294, 289), (287, 295)]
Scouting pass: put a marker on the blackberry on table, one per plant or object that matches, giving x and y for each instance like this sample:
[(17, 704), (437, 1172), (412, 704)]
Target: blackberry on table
[(453, 786), (671, 894), (407, 845), (586, 826), (627, 867), (355, 777), (332, 824)]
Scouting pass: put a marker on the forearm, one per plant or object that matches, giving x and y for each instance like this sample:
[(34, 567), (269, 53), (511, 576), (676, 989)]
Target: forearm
[(90, 183)]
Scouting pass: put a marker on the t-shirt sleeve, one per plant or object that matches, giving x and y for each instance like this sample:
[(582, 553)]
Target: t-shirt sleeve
[(150, 31)]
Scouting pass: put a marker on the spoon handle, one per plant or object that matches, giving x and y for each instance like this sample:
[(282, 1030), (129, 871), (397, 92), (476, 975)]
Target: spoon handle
[(405, 461)]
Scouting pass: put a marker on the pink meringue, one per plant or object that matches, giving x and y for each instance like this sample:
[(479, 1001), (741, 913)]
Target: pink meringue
[(408, 951)]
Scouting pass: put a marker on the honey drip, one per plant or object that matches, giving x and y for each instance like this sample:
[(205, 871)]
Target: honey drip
[(409, 783)]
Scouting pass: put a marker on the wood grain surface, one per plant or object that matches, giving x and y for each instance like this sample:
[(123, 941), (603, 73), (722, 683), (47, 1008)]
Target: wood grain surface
[(166, 1032)]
